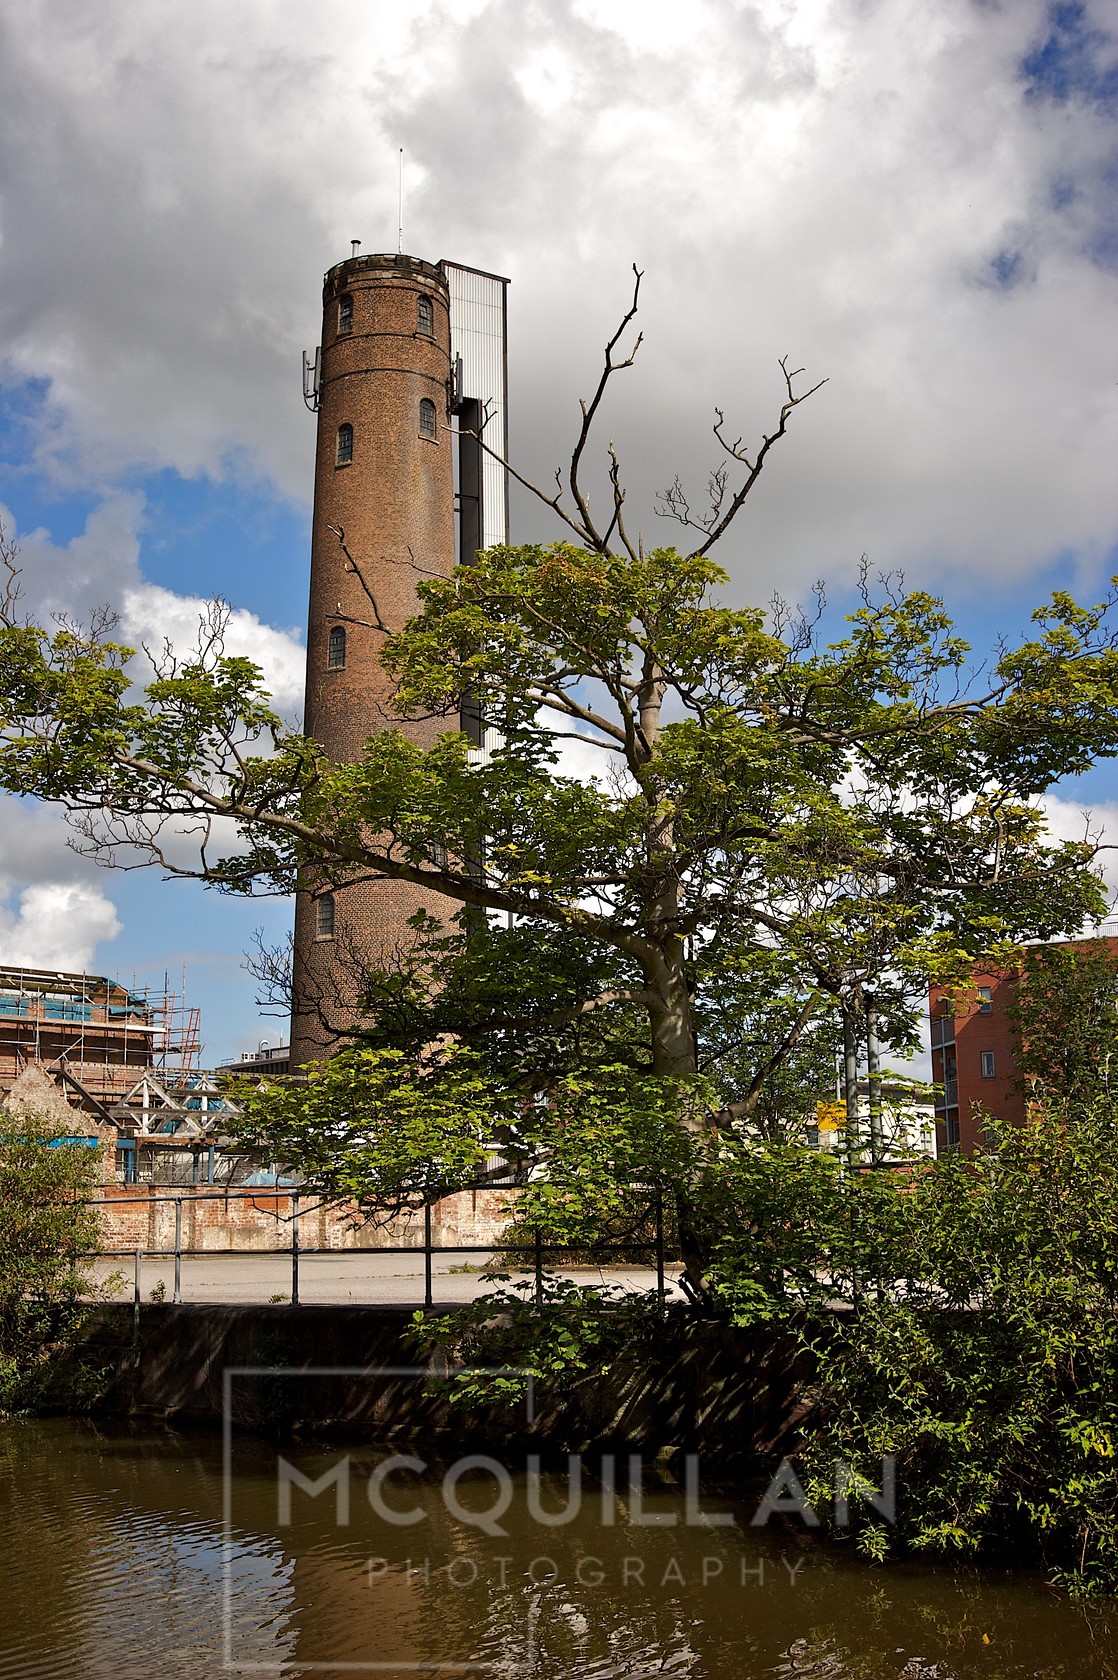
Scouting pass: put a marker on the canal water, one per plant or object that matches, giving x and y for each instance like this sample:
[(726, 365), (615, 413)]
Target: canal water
[(131, 1553)]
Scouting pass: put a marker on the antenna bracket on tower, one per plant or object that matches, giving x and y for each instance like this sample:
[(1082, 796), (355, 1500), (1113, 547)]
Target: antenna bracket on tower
[(312, 377)]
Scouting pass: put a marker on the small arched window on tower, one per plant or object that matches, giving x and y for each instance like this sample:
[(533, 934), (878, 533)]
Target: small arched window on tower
[(345, 445), (335, 648), (425, 315), (324, 917), (345, 314), (428, 426)]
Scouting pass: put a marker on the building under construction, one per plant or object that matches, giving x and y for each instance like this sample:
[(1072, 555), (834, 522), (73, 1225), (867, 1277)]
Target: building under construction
[(124, 1059), (92, 1034)]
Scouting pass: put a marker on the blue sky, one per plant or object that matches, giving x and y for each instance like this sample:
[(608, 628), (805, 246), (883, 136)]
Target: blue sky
[(917, 202)]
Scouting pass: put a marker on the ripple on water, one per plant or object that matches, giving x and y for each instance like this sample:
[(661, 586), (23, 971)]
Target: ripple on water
[(114, 1563)]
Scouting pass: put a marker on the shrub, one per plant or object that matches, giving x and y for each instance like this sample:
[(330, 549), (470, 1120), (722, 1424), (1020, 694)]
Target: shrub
[(46, 1229)]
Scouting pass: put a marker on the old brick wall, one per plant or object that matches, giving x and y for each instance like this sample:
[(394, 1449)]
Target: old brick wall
[(215, 1221)]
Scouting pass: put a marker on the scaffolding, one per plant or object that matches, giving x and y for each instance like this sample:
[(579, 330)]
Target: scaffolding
[(96, 1036), (177, 1047)]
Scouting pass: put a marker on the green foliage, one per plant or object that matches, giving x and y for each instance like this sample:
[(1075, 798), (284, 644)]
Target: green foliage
[(512, 993), (45, 1232), (1065, 1011), (609, 1142), (961, 1316), (375, 1128), (777, 821), (981, 1348), (513, 1337)]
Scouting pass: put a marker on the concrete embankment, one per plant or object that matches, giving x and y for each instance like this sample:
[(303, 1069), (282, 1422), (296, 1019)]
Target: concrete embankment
[(357, 1372)]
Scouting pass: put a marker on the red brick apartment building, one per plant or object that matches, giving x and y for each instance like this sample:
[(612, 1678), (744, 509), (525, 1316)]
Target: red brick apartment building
[(976, 1053)]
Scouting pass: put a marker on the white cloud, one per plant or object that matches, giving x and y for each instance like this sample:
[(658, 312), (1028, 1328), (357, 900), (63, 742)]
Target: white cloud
[(53, 911), (1068, 821), (57, 925), (100, 567), (869, 188), (151, 615), (583, 761), (92, 570)]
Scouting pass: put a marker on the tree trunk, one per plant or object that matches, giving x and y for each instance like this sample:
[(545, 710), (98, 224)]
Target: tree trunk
[(672, 1028), (675, 1056), (671, 1022)]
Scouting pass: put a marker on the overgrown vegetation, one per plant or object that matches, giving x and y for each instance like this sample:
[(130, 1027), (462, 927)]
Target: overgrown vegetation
[(982, 1349), (46, 1228), (961, 1316)]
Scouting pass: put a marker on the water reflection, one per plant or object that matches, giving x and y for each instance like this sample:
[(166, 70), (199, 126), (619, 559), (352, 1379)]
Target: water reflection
[(115, 1559)]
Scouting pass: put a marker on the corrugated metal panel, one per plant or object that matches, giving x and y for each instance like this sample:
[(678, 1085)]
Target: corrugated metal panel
[(477, 334)]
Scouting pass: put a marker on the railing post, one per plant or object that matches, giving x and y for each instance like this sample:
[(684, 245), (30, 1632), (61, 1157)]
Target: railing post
[(428, 1291), (178, 1251), (136, 1312), (539, 1268), (295, 1248), (660, 1248)]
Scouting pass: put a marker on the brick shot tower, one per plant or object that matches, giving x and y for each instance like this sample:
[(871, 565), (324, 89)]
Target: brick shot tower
[(413, 354)]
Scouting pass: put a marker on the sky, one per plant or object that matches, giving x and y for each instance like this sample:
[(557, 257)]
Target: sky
[(913, 199)]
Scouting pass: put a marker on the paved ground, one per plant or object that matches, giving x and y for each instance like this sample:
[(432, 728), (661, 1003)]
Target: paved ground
[(342, 1278)]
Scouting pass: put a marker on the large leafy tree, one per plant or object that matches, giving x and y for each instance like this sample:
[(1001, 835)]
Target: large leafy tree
[(779, 826)]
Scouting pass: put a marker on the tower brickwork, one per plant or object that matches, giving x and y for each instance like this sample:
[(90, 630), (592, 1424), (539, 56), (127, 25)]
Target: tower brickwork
[(384, 474)]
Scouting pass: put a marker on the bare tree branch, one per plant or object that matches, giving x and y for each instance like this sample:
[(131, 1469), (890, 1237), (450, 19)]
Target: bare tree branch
[(12, 592), (673, 503), (581, 523), (352, 566), (743, 1108), (589, 410)]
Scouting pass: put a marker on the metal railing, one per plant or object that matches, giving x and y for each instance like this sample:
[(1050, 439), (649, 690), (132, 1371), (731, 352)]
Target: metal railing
[(537, 1249)]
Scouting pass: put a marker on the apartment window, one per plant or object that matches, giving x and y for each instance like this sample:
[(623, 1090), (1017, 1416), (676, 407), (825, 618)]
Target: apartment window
[(324, 917), (985, 1000), (427, 422), (425, 315), (951, 1130), (345, 314), (335, 652), (345, 446), (987, 1064)]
